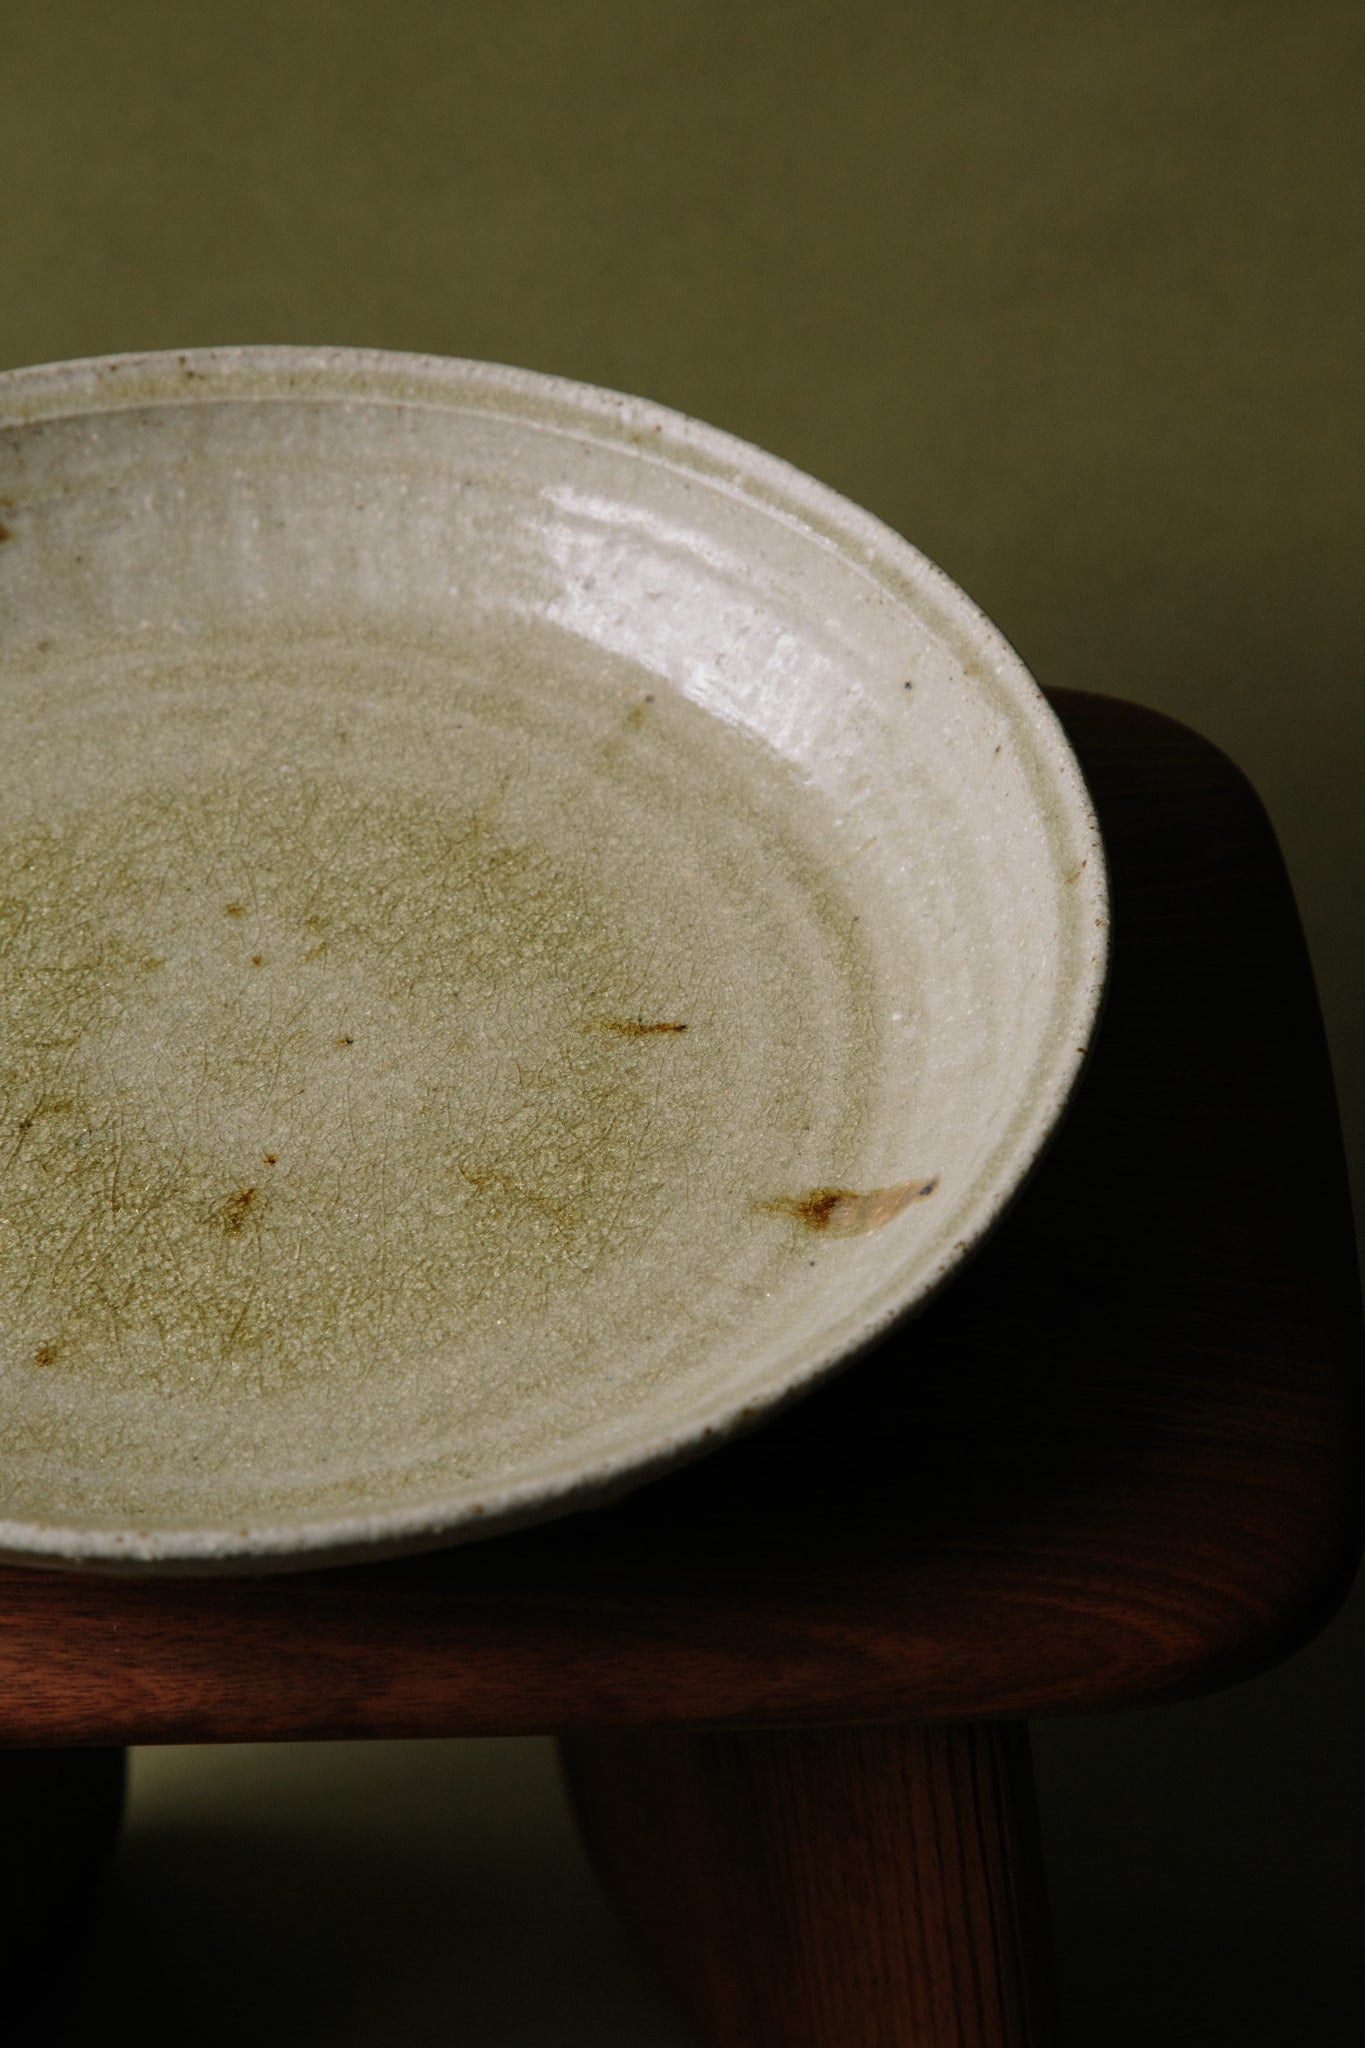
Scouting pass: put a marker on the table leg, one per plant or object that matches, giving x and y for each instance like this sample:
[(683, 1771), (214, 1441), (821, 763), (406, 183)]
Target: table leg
[(59, 1820), (829, 1888)]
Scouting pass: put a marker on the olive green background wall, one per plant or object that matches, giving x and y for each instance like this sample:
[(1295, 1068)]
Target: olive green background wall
[(1068, 293)]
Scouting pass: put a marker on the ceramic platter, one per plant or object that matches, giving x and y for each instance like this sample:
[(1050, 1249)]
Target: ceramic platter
[(530, 933)]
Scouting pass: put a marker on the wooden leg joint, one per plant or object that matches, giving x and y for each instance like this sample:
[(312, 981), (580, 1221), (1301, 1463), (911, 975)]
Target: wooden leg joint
[(830, 1888)]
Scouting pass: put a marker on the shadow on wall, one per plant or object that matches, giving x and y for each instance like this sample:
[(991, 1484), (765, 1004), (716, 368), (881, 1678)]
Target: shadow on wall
[(351, 1895), (1134, 1987)]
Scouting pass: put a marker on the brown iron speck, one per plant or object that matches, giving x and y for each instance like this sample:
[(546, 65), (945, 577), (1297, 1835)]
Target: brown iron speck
[(635, 1027), (843, 1212), (231, 1215)]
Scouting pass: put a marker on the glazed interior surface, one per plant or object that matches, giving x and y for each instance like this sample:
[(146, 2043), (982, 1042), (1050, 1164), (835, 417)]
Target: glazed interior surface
[(512, 953)]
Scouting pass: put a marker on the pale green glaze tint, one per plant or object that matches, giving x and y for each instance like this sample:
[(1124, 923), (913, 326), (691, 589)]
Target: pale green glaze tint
[(500, 978)]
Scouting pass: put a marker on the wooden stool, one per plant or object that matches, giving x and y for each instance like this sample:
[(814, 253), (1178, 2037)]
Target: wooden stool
[(1115, 1464)]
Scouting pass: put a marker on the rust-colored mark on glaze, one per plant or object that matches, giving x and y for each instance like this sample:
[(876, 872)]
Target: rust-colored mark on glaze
[(47, 1105), (506, 1187), (234, 910), (634, 1027), (231, 1215), (843, 1212), (5, 533), (46, 1354), (1075, 874), (270, 1157), (256, 959)]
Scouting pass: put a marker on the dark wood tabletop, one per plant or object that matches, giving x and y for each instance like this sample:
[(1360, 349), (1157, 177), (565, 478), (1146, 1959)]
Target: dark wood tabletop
[(1116, 1462)]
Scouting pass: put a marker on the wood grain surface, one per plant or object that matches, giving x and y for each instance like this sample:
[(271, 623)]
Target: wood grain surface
[(829, 1888), (1118, 1461)]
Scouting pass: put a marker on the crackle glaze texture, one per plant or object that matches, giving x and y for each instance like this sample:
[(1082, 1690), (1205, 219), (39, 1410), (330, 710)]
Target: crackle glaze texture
[(528, 933)]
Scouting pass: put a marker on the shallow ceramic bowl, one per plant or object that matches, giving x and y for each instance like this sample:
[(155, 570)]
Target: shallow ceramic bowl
[(530, 933)]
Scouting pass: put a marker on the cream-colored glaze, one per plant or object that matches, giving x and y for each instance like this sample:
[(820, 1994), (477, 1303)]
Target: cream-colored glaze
[(529, 934)]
